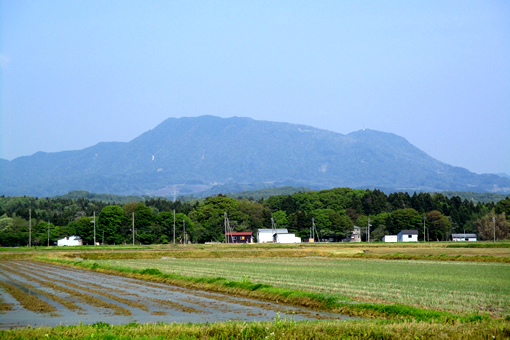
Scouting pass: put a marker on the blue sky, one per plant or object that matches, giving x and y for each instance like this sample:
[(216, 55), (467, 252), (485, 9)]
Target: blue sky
[(75, 73)]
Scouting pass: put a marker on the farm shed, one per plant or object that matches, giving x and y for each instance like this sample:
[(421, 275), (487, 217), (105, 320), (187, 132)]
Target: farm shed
[(407, 236), (463, 237), (70, 241), (239, 237), (390, 238), (266, 235), (286, 238), (355, 235)]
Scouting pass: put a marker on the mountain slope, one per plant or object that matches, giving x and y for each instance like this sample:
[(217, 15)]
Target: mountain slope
[(193, 154)]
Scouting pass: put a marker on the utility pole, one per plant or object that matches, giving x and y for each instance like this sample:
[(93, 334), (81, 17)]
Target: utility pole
[(494, 225), (184, 229), (424, 238), (368, 230), (103, 236), (225, 226), (48, 233), (94, 228), (133, 229), (29, 227), (174, 226)]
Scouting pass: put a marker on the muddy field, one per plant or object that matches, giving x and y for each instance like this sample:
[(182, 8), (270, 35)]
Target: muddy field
[(34, 293)]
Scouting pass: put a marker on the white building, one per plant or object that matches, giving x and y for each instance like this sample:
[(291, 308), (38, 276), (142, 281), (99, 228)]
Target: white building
[(70, 241), (390, 238), (463, 237), (266, 235), (407, 236), (286, 238)]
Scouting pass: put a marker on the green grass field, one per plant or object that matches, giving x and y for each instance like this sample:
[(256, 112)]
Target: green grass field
[(456, 286)]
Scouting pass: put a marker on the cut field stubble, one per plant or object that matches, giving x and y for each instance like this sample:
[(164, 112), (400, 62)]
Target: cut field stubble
[(456, 286)]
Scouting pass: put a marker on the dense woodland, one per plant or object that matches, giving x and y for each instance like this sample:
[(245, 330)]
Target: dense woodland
[(334, 212)]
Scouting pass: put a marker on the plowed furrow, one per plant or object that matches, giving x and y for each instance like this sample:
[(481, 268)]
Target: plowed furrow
[(58, 299), (172, 304), (92, 291), (86, 298), (28, 301)]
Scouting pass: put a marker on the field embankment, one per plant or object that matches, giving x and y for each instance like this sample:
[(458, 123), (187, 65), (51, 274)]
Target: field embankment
[(281, 329)]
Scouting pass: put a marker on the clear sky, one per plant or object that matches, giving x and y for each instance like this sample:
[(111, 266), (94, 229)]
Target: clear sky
[(75, 73)]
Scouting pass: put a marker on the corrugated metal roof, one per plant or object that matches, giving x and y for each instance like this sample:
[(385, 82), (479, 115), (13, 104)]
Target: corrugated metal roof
[(464, 235), (241, 233), (278, 231), (409, 232)]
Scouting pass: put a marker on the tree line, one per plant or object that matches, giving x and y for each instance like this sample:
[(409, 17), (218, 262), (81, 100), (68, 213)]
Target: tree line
[(334, 212)]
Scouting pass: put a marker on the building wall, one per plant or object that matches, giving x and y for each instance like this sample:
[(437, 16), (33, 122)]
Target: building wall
[(287, 238), (462, 239), (264, 237), (390, 238), (239, 238), (406, 238)]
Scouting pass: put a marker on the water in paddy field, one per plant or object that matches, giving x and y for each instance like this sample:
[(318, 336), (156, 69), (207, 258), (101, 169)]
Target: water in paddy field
[(98, 297)]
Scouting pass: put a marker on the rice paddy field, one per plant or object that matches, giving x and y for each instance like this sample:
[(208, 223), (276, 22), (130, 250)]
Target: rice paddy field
[(434, 291), (455, 286)]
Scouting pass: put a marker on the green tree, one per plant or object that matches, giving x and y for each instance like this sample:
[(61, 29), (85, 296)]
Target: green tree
[(439, 226), (84, 228), (503, 206), (111, 220), (280, 218), (405, 219)]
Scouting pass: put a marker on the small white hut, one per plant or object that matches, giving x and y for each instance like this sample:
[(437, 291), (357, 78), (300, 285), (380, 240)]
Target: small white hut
[(70, 241)]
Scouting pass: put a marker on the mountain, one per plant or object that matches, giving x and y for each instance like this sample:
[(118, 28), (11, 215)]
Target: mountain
[(192, 154)]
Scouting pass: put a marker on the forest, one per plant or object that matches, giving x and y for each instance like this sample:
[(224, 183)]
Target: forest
[(335, 212)]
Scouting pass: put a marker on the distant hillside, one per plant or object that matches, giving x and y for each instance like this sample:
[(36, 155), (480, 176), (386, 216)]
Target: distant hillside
[(107, 198), (475, 196), (190, 155)]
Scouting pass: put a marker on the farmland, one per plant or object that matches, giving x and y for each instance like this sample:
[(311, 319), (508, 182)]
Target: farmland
[(465, 296), (43, 294), (461, 287)]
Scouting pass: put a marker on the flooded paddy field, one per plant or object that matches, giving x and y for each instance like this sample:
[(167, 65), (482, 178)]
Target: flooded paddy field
[(36, 294)]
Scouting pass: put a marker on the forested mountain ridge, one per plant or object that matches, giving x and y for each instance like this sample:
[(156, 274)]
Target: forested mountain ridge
[(194, 154)]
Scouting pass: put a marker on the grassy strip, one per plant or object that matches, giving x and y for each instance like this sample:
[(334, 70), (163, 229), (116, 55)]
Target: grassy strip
[(269, 253), (28, 301), (479, 245), (266, 292), (278, 329), (430, 257)]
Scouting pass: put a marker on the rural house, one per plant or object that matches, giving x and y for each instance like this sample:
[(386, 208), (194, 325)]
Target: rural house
[(390, 238), (407, 236), (286, 238), (355, 235), (70, 241), (239, 237), (266, 235), (463, 237)]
